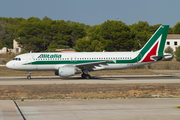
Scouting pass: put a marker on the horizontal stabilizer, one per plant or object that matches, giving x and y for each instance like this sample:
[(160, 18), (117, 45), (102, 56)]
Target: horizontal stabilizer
[(162, 57)]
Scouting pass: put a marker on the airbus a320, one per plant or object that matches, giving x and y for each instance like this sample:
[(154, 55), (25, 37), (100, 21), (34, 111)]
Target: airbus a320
[(69, 64)]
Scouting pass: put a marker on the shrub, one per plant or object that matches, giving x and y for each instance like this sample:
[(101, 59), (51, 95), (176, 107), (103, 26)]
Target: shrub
[(169, 50), (177, 53)]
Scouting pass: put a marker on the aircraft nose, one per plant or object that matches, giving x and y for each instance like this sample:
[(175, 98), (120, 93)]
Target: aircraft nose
[(9, 65)]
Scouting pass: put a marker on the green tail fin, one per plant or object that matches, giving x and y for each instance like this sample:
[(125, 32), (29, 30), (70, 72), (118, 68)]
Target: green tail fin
[(159, 36)]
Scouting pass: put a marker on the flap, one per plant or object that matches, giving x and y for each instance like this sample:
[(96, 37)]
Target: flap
[(90, 65)]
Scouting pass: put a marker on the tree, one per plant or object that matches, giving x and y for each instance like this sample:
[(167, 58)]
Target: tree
[(142, 37), (8, 42), (77, 31), (46, 19), (53, 44), (115, 36), (169, 50), (177, 28), (1, 45), (82, 45), (171, 30), (177, 53), (153, 28), (143, 32), (96, 46), (140, 26), (36, 35), (30, 34), (8, 30)]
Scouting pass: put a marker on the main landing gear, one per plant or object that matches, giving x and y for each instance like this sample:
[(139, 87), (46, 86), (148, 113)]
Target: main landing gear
[(29, 75), (85, 76)]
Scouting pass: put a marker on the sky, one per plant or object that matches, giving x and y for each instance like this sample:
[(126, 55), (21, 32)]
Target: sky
[(95, 12)]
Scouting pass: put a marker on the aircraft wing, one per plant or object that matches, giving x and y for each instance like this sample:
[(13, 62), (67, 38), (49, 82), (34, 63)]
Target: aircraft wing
[(91, 65)]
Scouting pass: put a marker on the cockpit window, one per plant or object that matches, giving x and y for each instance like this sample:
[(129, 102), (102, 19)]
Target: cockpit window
[(17, 59)]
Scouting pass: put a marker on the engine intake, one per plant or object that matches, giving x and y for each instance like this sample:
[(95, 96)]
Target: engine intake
[(66, 71)]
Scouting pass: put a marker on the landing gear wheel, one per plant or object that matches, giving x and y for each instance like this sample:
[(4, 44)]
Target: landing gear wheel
[(28, 77), (88, 76), (83, 76)]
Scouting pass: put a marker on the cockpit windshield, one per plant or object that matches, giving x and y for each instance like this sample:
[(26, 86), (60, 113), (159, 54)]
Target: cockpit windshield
[(17, 59)]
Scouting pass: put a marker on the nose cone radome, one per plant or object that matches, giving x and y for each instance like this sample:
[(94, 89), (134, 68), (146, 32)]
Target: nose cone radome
[(9, 65)]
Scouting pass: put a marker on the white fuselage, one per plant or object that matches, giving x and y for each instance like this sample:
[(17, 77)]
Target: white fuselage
[(31, 62)]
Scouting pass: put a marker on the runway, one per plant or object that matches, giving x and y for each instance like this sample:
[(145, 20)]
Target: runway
[(114, 79)]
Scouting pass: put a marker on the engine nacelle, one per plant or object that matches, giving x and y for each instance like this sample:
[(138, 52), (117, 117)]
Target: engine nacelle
[(66, 71)]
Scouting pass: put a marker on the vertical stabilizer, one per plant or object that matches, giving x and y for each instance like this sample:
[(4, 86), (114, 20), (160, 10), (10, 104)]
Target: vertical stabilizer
[(155, 45)]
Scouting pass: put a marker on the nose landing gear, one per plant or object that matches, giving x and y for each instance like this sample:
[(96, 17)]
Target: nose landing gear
[(29, 75)]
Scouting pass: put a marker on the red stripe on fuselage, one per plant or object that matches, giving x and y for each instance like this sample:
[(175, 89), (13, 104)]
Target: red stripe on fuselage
[(151, 53)]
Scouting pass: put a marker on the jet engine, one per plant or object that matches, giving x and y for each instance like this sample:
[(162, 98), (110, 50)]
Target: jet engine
[(65, 71)]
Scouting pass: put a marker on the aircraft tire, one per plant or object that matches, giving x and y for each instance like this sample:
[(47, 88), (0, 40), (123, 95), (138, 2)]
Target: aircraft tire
[(83, 76), (88, 76), (28, 77)]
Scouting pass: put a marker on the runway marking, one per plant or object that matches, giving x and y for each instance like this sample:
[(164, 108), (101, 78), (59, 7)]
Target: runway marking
[(1, 114), (178, 107), (19, 110)]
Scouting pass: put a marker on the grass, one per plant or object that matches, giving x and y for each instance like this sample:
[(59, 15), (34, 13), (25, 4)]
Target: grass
[(88, 91)]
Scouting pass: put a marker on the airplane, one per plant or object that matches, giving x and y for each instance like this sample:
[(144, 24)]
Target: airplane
[(117, 17), (69, 64)]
